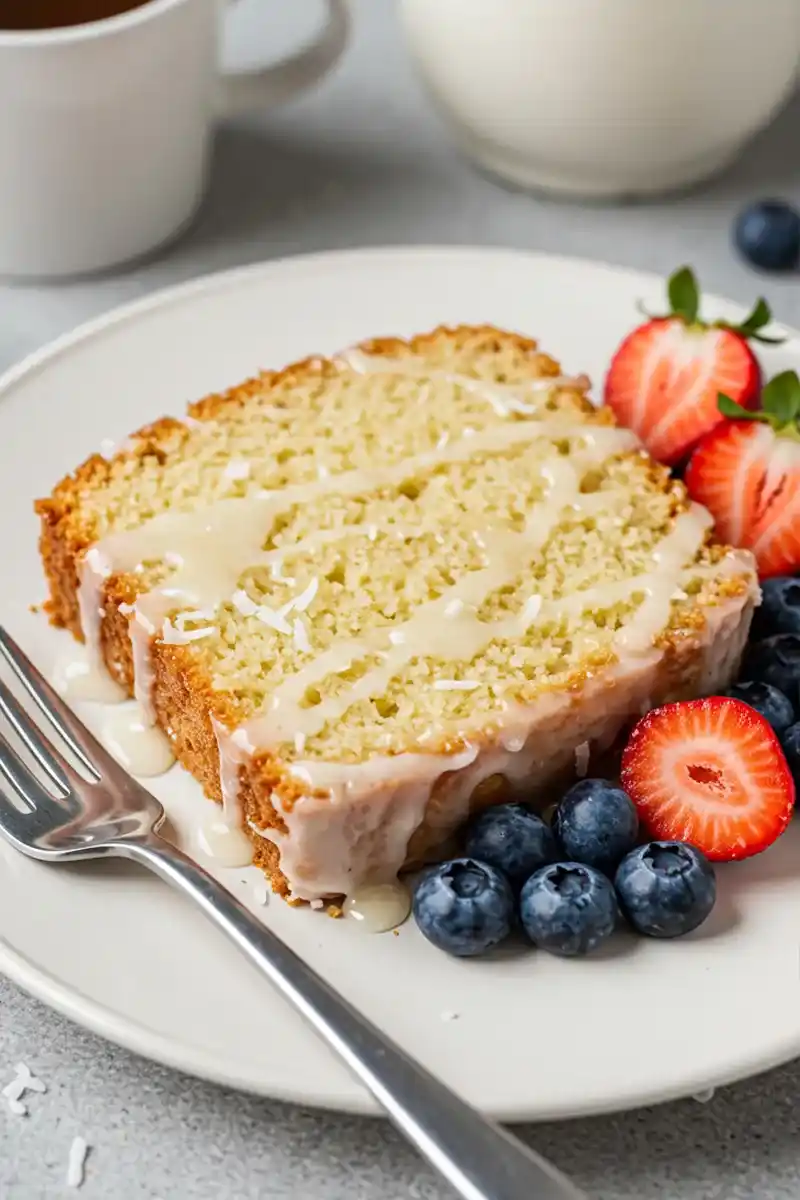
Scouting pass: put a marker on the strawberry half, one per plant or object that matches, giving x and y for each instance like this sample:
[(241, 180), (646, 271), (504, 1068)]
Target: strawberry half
[(710, 772), (664, 379), (747, 474)]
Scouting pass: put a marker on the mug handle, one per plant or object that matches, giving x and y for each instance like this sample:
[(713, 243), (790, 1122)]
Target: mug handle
[(244, 91)]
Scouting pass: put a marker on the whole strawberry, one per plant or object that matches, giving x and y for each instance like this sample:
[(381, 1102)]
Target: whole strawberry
[(664, 379), (746, 472)]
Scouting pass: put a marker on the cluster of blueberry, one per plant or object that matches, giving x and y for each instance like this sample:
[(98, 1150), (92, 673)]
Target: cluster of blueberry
[(771, 667), (567, 884)]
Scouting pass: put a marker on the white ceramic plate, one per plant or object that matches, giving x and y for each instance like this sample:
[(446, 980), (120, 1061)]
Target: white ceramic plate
[(114, 949)]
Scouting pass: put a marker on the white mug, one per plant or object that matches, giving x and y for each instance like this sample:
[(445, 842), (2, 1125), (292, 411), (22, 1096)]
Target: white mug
[(605, 98), (104, 129)]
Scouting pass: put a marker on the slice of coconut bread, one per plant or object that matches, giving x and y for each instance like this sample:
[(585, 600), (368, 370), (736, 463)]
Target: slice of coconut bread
[(366, 595)]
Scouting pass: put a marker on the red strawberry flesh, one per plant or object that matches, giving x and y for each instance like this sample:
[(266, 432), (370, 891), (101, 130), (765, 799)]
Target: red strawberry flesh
[(711, 772), (666, 377), (748, 476)]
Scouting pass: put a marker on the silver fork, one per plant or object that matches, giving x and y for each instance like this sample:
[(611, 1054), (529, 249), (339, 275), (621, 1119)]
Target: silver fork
[(71, 818)]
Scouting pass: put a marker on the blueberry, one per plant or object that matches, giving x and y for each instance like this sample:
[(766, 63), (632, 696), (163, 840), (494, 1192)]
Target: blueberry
[(776, 661), (767, 234), (464, 906), (779, 611), (513, 839), (666, 889), (568, 908), (791, 748), (596, 823), (768, 701)]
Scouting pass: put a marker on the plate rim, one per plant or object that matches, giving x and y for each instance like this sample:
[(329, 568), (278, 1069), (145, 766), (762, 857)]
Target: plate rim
[(139, 1038)]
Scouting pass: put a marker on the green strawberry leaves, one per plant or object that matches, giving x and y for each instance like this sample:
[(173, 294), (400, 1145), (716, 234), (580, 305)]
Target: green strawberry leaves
[(736, 412), (750, 328), (683, 292), (781, 397), (780, 405)]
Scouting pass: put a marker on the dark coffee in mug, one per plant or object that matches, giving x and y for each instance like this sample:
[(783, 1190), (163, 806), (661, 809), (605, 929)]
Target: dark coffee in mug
[(56, 14)]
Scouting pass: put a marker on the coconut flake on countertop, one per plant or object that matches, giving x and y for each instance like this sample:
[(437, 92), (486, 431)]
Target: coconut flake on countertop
[(76, 1167), (24, 1081)]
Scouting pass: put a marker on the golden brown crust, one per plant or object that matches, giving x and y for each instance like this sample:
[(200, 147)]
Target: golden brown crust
[(186, 704)]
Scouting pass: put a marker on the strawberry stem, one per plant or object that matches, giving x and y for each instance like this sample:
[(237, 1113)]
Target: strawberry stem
[(683, 292), (780, 406)]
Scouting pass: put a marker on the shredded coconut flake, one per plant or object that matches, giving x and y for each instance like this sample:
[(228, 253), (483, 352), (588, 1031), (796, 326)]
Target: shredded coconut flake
[(372, 532), (454, 607), (317, 904), (126, 609), (582, 760), (240, 738), (323, 472), (532, 608), (199, 614), (24, 1081), (300, 635), (172, 559), (243, 604), (396, 637), (179, 637), (77, 1162), (97, 563), (237, 468), (302, 602), (456, 685), (261, 892), (299, 741), (275, 620)]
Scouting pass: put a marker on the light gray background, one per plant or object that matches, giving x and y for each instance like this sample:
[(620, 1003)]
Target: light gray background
[(364, 161)]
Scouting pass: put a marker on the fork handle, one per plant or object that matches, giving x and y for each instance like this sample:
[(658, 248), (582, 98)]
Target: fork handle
[(478, 1158)]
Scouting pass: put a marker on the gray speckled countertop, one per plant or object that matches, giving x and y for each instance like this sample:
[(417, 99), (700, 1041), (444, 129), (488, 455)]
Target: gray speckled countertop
[(364, 161)]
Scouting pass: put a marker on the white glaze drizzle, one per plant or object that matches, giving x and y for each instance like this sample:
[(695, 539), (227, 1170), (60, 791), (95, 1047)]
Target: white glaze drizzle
[(378, 907), (224, 842), (211, 547), (139, 746), (354, 822), (78, 676), (504, 398)]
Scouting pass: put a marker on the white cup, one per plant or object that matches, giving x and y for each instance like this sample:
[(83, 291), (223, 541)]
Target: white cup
[(104, 129), (605, 98)]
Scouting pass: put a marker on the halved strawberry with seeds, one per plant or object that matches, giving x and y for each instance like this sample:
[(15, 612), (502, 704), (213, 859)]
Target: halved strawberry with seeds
[(664, 379), (710, 772), (747, 474)]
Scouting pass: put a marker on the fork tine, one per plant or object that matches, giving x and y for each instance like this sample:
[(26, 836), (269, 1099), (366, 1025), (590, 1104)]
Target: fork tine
[(58, 770), (83, 744), (22, 779), (14, 823)]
